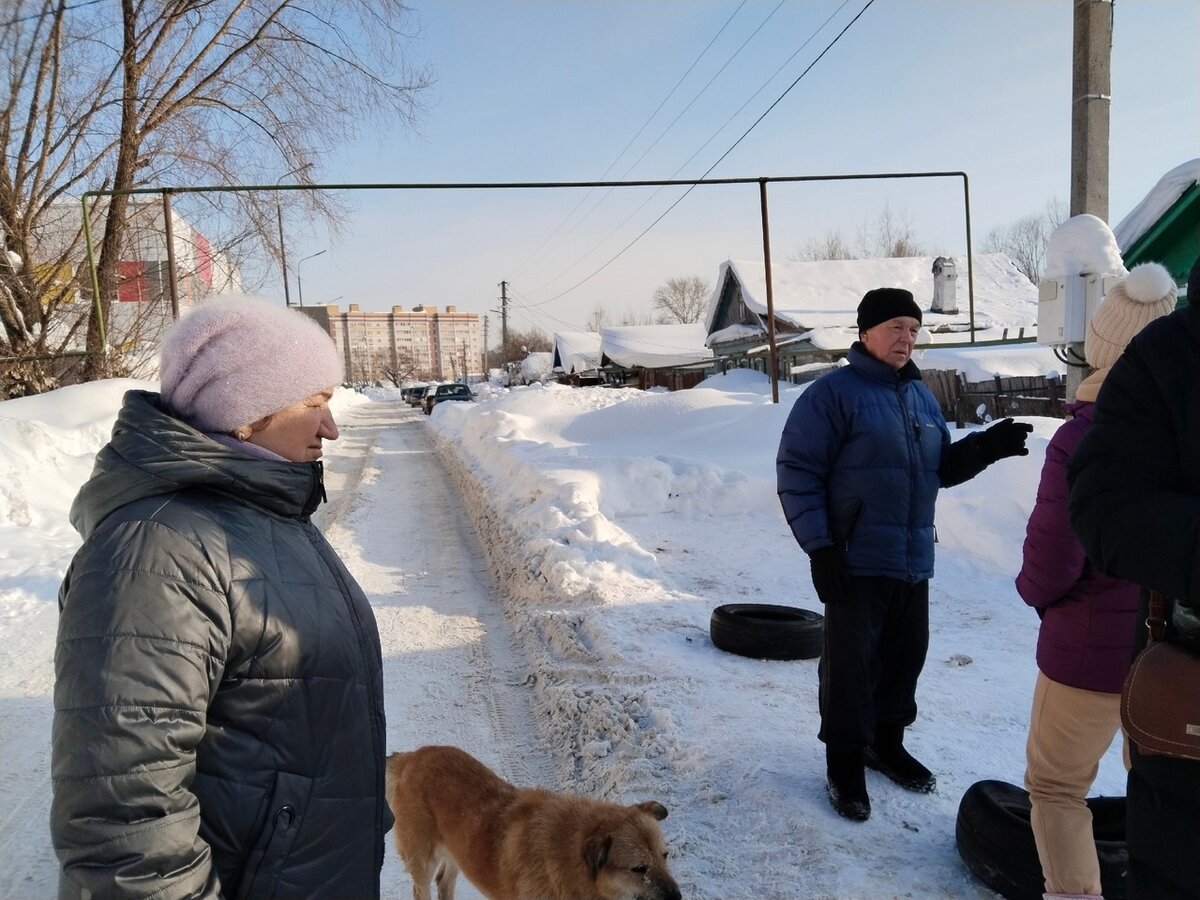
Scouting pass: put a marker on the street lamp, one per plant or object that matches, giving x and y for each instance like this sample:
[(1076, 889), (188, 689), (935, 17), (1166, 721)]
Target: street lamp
[(299, 283)]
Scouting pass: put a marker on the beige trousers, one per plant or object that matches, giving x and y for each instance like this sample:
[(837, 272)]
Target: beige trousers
[(1069, 731)]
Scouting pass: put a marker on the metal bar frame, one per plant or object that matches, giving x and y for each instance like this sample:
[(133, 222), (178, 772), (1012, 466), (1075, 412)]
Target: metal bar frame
[(761, 181)]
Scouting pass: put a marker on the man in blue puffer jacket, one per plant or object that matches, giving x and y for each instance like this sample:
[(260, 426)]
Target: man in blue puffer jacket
[(862, 457)]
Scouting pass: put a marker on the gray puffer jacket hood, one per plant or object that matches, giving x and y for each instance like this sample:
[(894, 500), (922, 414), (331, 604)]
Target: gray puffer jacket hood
[(152, 453), (219, 722)]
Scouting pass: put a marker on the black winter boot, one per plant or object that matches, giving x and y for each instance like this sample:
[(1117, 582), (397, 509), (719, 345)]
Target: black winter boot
[(847, 785), (887, 755)]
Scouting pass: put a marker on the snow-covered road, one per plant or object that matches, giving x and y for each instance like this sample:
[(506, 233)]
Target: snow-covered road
[(451, 672)]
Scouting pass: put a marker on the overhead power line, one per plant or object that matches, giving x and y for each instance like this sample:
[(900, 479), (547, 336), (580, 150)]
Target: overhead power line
[(728, 62), (691, 188), (650, 197), (625, 149)]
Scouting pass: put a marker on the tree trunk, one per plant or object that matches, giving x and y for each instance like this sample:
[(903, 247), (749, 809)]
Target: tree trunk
[(114, 222)]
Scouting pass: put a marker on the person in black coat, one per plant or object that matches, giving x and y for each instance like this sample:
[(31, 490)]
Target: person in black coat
[(1135, 504)]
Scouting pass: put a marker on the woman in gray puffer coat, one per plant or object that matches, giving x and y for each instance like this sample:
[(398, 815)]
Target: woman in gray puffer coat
[(219, 716)]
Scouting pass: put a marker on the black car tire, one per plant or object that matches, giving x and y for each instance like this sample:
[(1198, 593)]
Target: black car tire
[(766, 631), (995, 840)]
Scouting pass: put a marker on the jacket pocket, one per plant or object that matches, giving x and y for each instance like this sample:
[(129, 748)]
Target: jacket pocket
[(845, 520), (283, 819)]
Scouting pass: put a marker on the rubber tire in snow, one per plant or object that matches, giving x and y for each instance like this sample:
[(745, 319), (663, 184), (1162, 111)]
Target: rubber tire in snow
[(765, 631), (995, 840)]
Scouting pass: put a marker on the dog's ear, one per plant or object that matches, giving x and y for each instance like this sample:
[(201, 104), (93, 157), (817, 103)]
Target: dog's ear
[(595, 852), (654, 808)]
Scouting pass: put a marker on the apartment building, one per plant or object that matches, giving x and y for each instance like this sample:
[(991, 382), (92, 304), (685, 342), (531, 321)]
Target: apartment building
[(422, 343)]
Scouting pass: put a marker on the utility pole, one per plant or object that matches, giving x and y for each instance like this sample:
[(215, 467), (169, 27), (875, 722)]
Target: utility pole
[(1091, 102), (503, 319), (485, 348), (287, 300)]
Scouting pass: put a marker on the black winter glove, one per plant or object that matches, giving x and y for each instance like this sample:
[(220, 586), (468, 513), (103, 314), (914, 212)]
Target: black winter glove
[(829, 575), (1005, 438)]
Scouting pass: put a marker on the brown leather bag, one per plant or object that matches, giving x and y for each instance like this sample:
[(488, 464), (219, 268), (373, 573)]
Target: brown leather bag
[(1160, 702)]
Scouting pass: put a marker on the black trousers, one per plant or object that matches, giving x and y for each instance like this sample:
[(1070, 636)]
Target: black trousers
[(875, 646), (1163, 828)]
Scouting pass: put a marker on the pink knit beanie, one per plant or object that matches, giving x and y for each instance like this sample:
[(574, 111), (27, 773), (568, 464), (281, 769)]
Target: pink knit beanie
[(230, 362), (1146, 293)]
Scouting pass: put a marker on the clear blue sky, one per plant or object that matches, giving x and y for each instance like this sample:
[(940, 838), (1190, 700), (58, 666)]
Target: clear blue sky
[(575, 91)]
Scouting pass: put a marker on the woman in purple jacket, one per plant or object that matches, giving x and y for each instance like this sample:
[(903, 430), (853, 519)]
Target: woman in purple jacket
[(1088, 618)]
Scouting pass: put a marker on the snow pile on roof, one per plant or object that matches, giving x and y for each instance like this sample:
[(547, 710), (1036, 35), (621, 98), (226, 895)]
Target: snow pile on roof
[(576, 351), (823, 296), (655, 346), (1162, 197), (535, 365), (1082, 245), (737, 331)]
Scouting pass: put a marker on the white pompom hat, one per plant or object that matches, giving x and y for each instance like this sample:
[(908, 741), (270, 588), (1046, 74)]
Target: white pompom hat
[(229, 362), (1146, 293)]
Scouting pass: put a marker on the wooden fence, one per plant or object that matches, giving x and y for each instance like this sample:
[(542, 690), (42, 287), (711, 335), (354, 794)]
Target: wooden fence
[(965, 401)]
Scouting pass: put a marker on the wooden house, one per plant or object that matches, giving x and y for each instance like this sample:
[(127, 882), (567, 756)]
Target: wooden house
[(577, 357), (815, 305), (646, 356)]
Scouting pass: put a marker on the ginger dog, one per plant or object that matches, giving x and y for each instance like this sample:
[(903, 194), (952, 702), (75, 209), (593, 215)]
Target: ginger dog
[(454, 814)]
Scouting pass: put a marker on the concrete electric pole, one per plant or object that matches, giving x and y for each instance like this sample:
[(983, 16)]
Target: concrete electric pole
[(1091, 102), (485, 348)]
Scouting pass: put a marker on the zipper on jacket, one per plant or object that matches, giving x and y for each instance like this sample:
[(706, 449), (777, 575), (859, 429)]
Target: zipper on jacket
[(316, 492), (375, 703), (914, 445)]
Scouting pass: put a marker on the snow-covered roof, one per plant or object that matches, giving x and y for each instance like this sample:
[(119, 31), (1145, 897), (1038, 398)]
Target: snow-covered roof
[(577, 351), (1162, 197), (655, 346), (823, 296)]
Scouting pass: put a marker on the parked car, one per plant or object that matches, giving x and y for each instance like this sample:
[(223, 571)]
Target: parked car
[(416, 394), (443, 392)]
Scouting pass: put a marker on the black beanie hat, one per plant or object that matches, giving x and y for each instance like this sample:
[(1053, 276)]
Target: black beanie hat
[(882, 304), (1193, 293)]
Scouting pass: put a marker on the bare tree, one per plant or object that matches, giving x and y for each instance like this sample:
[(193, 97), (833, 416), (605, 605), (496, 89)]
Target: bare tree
[(683, 300), (598, 318), (830, 245), (892, 237), (533, 340), (396, 366), (123, 95), (519, 345), (1024, 241), (634, 317)]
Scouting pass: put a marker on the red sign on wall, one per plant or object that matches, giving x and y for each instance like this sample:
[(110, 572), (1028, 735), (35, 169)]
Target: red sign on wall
[(131, 281)]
